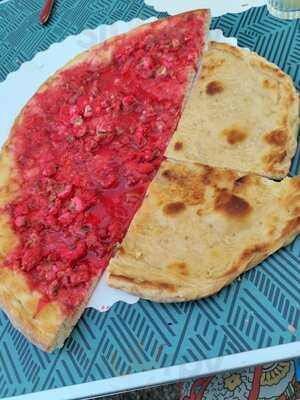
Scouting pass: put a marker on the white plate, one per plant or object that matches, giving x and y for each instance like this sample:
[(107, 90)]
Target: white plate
[(28, 78), (218, 7)]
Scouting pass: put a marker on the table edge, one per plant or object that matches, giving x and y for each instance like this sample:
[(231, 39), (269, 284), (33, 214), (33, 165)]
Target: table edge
[(111, 386)]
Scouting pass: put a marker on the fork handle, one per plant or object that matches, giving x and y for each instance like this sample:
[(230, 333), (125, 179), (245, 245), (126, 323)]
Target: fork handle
[(46, 11)]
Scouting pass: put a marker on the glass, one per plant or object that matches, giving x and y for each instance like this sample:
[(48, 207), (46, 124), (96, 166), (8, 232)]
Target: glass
[(286, 9)]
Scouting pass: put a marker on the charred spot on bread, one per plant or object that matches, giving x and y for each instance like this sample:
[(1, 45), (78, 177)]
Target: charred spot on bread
[(248, 253), (296, 182), (296, 211), (274, 158), (232, 205), (174, 208), (171, 176), (234, 135), (291, 98), (178, 267), (246, 256), (212, 64), (242, 181), (144, 283), (178, 177), (122, 250), (167, 174), (188, 189), (214, 87), (178, 146), (271, 69), (290, 227), (268, 84), (277, 137), (207, 175)]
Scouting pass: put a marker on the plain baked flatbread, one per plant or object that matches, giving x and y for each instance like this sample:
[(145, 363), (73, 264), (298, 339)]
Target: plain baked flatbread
[(242, 114), (199, 228)]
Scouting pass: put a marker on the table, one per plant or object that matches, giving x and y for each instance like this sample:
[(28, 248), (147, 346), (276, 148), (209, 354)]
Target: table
[(253, 321)]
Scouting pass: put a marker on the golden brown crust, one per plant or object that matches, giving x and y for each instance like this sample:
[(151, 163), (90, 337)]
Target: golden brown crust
[(48, 327), (202, 243), (249, 115), (21, 305)]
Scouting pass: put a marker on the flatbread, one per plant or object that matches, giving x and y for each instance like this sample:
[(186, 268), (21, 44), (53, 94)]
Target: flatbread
[(242, 114), (199, 228), (44, 321)]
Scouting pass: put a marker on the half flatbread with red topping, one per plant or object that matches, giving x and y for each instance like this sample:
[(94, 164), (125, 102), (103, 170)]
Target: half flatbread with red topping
[(199, 228), (78, 161), (242, 114)]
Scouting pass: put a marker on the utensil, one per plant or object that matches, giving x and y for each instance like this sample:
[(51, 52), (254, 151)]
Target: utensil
[(46, 11)]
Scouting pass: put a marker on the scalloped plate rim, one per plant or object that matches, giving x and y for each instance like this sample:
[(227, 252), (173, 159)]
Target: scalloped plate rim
[(174, 7)]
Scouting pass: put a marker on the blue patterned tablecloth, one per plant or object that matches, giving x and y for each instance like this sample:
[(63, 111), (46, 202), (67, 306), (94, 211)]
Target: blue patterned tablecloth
[(261, 310)]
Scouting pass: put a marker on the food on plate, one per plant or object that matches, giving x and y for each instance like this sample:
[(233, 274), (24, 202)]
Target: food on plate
[(242, 114), (200, 227), (76, 166)]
